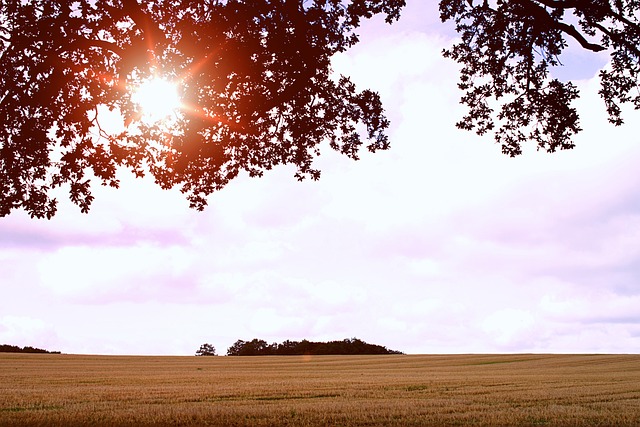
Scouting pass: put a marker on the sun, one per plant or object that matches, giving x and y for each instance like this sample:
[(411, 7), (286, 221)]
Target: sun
[(158, 99)]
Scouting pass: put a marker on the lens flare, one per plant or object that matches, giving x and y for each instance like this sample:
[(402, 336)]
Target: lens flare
[(158, 99)]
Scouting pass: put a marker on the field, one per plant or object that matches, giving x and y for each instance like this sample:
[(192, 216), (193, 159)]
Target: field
[(396, 390)]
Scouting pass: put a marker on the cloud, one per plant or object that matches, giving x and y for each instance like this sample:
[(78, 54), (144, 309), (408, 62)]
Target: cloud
[(27, 331), (508, 327), (100, 275)]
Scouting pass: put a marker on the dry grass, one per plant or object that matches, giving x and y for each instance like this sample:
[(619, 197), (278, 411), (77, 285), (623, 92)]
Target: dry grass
[(535, 390)]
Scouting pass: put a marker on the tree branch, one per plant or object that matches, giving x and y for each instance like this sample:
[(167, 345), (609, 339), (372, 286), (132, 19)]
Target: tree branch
[(617, 39), (620, 17), (540, 13), (572, 4), (560, 4), (571, 30)]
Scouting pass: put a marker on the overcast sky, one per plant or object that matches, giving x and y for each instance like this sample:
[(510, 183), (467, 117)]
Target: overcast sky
[(439, 245)]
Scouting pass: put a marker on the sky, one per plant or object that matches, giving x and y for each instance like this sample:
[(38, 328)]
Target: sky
[(439, 245)]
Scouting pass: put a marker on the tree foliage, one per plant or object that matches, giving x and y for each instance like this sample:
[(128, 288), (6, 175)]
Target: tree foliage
[(507, 49), (8, 348), (206, 350), (257, 85), (255, 76), (258, 347)]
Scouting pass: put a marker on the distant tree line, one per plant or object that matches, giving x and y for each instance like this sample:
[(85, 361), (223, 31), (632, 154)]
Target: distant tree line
[(258, 347), (6, 348)]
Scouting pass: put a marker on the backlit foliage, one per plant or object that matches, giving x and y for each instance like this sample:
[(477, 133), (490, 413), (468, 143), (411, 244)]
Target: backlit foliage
[(256, 86), (255, 80), (507, 49)]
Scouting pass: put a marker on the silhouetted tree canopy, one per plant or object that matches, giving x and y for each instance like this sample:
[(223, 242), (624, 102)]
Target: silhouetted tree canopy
[(258, 347), (256, 82), (507, 49), (8, 348), (255, 76), (206, 350)]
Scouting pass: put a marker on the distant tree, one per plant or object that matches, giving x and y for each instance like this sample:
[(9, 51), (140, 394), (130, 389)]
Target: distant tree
[(206, 350), (258, 347), (507, 49), (255, 347), (236, 348), (7, 348), (288, 347), (255, 76)]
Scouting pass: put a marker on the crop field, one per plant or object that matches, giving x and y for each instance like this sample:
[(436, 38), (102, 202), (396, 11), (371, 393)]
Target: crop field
[(394, 390)]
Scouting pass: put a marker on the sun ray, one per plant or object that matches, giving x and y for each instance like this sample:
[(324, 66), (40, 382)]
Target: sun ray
[(157, 98)]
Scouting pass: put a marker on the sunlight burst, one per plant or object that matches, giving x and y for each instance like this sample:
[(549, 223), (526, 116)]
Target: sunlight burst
[(158, 99)]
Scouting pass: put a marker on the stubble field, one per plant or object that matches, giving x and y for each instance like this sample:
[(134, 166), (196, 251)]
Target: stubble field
[(397, 390)]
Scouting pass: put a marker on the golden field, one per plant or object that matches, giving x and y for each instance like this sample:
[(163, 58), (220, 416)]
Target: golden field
[(394, 390)]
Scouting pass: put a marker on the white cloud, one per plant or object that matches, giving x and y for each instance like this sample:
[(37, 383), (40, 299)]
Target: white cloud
[(27, 331), (94, 274), (508, 327)]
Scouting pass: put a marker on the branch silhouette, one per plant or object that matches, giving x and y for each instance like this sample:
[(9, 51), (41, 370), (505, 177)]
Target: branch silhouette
[(258, 90), (255, 78), (507, 50)]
